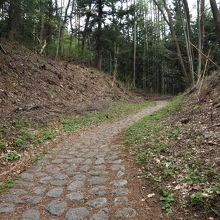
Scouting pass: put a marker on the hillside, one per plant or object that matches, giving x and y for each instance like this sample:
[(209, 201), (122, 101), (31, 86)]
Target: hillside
[(178, 150), (38, 88)]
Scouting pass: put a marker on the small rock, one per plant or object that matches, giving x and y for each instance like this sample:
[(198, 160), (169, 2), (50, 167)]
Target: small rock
[(97, 180), (84, 168), (39, 190), (79, 177), (55, 192), (98, 191), (97, 203), (56, 207), (76, 185), (121, 201), (18, 191), (103, 214), (120, 191), (59, 182), (57, 161), (77, 213), (120, 182), (117, 167), (60, 176), (31, 214), (100, 161), (75, 196), (120, 173), (7, 207), (125, 213), (45, 179), (33, 200), (27, 176)]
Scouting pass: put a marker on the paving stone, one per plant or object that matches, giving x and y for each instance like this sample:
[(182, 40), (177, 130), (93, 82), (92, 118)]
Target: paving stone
[(120, 173), (98, 191), (11, 198), (45, 179), (40, 174), (60, 176), (121, 201), (98, 172), (84, 168), (39, 190), (57, 161), (87, 162), (27, 176), (6, 207), (76, 185), (79, 177), (75, 196), (75, 160), (117, 161), (55, 192), (56, 207), (117, 167), (33, 200), (59, 182), (17, 192), (120, 191), (23, 184), (103, 214), (31, 214), (77, 213), (100, 161), (97, 203), (97, 180), (125, 213), (119, 183), (100, 167)]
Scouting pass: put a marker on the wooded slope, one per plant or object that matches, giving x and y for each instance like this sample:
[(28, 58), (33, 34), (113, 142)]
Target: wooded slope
[(38, 88)]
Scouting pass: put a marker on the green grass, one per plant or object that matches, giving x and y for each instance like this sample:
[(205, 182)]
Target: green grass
[(144, 139), (119, 110), (7, 185), (46, 135), (23, 135), (152, 140), (12, 155)]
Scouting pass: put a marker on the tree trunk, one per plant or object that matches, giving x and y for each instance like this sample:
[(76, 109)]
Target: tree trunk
[(216, 17), (201, 8), (169, 21), (98, 37), (14, 18)]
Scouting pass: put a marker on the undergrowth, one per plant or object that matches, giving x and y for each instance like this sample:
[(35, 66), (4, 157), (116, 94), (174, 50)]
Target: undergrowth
[(154, 140), (23, 136)]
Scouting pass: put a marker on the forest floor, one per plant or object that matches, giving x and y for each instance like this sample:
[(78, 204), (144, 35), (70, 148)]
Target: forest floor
[(86, 176), (178, 152)]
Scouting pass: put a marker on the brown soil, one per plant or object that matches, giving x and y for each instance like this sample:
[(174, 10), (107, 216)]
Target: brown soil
[(38, 88)]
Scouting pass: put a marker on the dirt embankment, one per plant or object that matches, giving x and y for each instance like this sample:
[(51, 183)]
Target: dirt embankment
[(38, 88)]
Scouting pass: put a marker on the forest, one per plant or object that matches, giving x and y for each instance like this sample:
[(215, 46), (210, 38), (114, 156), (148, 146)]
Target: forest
[(158, 46), (110, 109)]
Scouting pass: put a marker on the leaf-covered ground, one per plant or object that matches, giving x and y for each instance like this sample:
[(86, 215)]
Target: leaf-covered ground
[(178, 149), (24, 141)]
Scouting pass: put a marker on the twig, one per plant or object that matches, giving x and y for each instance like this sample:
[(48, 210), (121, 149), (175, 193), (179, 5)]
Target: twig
[(2, 49), (204, 72), (205, 56)]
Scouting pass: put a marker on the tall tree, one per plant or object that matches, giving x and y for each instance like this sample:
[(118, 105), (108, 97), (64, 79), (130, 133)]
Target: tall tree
[(216, 17)]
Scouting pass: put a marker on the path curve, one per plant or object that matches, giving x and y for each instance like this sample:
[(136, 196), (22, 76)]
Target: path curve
[(82, 178)]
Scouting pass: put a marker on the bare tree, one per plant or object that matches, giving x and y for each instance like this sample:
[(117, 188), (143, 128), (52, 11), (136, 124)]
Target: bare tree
[(168, 18), (216, 16)]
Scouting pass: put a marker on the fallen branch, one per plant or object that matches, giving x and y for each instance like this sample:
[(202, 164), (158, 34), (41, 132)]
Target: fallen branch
[(2, 49), (205, 56)]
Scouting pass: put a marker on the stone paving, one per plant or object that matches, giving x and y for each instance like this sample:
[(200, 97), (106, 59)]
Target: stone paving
[(82, 178)]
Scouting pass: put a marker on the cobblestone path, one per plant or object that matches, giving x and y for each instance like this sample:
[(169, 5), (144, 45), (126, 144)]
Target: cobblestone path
[(82, 178)]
